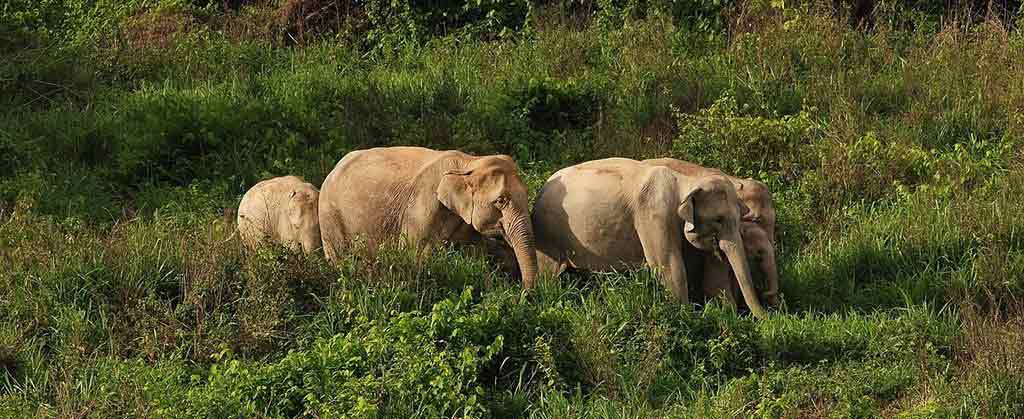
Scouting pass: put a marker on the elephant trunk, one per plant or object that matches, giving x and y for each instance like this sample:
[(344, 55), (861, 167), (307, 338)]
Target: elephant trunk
[(311, 244), (519, 234), (771, 278), (733, 249)]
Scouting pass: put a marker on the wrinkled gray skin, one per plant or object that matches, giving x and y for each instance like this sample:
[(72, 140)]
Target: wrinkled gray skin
[(759, 223), (426, 196), (612, 213), (281, 210)]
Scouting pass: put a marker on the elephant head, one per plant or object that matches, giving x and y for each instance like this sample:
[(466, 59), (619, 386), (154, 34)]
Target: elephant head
[(303, 219), (761, 251), (758, 200), (711, 213), (488, 194)]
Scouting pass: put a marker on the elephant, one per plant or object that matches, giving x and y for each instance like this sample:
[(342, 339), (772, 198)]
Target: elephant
[(718, 279), (282, 209), (759, 222), (617, 212), (426, 196)]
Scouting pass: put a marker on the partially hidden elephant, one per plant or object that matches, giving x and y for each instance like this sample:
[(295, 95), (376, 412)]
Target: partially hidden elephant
[(282, 210), (757, 232), (719, 280), (607, 214), (426, 196)]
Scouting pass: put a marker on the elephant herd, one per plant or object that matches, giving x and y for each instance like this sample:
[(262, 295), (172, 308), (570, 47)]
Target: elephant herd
[(684, 220)]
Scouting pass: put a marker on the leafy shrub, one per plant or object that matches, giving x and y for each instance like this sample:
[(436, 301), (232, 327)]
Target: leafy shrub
[(413, 364), (777, 150), (393, 24), (870, 169), (550, 104), (699, 15), (70, 21)]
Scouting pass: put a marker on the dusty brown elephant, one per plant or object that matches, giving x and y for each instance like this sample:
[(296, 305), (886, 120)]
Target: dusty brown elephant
[(759, 224), (426, 196), (613, 213), (283, 210)]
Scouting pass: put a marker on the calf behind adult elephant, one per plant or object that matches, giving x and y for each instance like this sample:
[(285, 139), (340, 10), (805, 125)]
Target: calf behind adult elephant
[(427, 196), (719, 280), (758, 232), (606, 214), (283, 210)]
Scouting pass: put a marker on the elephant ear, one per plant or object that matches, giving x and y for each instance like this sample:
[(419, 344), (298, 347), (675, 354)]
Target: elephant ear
[(456, 194), (685, 211)]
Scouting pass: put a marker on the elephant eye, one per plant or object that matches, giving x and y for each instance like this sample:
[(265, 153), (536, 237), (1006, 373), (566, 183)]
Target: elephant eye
[(501, 201)]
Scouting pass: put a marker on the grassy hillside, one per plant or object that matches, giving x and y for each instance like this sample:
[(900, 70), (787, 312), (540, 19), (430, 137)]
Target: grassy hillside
[(892, 141)]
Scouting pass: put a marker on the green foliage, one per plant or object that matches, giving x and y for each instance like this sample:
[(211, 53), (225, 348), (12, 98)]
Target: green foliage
[(71, 21), (777, 150), (394, 24), (413, 364), (699, 15), (550, 104)]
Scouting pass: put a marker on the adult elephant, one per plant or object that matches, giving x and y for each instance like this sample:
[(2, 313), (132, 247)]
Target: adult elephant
[(757, 231), (610, 213), (427, 196)]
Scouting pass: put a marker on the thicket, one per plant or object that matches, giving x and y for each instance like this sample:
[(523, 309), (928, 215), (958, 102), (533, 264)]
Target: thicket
[(892, 142)]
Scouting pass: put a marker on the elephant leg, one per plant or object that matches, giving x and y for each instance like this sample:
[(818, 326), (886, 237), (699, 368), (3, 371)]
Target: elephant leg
[(663, 250), (549, 265), (332, 233), (717, 282)]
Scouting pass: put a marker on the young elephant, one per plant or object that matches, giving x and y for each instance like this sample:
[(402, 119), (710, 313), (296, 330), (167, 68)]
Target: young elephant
[(759, 222), (427, 196), (605, 214), (718, 279), (282, 209)]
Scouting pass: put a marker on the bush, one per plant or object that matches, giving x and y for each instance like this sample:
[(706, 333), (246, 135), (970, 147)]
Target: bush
[(549, 104), (776, 150), (416, 365), (414, 20)]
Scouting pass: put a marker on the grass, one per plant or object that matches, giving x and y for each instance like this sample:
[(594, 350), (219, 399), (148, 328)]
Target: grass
[(894, 156)]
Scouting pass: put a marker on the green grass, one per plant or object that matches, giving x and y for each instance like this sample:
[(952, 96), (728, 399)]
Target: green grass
[(894, 156)]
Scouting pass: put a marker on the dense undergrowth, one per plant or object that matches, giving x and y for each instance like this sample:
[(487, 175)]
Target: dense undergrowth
[(892, 143)]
